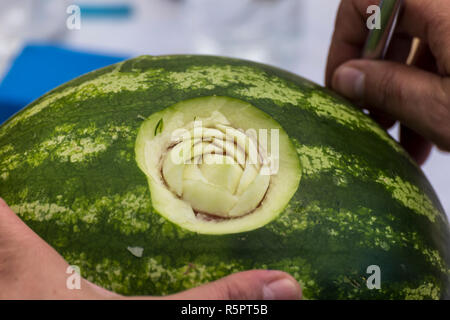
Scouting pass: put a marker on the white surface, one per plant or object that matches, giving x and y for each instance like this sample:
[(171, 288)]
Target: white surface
[(294, 35), (28, 19)]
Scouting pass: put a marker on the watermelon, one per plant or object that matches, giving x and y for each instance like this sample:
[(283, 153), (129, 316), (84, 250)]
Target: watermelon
[(90, 168)]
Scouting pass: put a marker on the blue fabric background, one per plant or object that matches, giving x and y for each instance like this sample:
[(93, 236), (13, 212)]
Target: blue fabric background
[(40, 68)]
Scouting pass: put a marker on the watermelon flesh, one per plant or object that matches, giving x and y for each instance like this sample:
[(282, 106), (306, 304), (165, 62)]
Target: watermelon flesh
[(216, 174), (73, 166)]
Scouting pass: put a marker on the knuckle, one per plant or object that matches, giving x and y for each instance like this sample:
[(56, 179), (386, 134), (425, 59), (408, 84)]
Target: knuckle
[(222, 290), (242, 286), (235, 291), (389, 91), (439, 117)]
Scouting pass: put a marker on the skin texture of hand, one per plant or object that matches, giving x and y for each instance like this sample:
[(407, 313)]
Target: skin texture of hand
[(31, 269), (418, 95)]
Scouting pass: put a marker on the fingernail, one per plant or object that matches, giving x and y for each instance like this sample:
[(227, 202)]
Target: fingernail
[(282, 289), (350, 82)]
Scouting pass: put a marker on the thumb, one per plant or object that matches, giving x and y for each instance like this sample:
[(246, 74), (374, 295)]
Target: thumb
[(247, 285), (36, 280), (419, 99)]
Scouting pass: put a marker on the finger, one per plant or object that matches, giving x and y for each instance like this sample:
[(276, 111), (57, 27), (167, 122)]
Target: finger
[(419, 99), (349, 35), (423, 19), (12, 230), (382, 119), (31, 269), (34, 280), (417, 146), (428, 21), (247, 285)]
